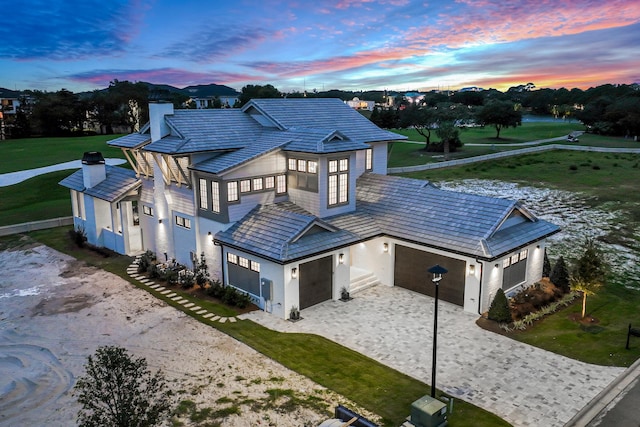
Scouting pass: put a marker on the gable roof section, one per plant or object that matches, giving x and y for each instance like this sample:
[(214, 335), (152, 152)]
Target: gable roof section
[(279, 232), (133, 140), (321, 141), (213, 129), (267, 142), (118, 183), (458, 222), (321, 113)]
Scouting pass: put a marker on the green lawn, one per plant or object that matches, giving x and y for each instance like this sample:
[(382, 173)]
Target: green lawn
[(35, 199), (611, 180), (370, 384), (31, 153), (487, 135), (411, 154)]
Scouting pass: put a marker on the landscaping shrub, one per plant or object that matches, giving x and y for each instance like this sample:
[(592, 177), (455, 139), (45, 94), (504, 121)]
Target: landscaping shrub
[(573, 168), (78, 236), (202, 272), (560, 275), (230, 296), (145, 261), (187, 280), (499, 310), (215, 289)]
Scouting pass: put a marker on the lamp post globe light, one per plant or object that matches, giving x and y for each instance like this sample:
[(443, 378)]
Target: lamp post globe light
[(437, 271)]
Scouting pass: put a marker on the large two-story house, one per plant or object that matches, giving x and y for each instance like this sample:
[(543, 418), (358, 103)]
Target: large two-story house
[(289, 201)]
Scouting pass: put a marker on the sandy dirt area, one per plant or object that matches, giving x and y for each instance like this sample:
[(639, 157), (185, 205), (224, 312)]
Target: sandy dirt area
[(55, 311)]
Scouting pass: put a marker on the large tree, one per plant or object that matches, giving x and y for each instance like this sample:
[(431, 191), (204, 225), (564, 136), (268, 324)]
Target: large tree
[(421, 118), (58, 113), (120, 391), (588, 274), (257, 91), (500, 114)]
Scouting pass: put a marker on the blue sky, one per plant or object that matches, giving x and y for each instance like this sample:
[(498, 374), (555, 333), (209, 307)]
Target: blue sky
[(301, 45)]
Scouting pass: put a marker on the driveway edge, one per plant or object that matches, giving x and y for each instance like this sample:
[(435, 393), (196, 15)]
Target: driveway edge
[(605, 397)]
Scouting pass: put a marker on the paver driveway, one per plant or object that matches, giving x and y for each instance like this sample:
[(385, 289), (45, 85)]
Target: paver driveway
[(524, 385)]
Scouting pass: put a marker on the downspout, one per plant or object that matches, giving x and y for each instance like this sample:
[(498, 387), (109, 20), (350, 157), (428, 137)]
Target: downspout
[(480, 287)]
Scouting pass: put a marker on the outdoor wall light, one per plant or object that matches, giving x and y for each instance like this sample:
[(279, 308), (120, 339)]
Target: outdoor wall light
[(210, 236), (294, 273), (160, 221), (495, 265), (537, 246), (385, 247), (472, 269), (341, 258)]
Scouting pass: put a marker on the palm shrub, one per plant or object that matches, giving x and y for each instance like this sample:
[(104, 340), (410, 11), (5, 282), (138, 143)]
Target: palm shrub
[(499, 309), (145, 261), (560, 275)]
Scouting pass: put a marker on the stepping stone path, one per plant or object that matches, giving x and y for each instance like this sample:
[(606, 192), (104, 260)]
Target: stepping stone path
[(132, 271)]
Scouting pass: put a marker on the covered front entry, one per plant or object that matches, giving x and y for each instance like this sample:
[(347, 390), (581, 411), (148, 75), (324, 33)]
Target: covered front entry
[(410, 272), (316, 281)]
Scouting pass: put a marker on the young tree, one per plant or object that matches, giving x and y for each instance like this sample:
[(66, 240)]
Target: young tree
[(499, 310), (120, 391), (589, 273), (500, 114), (560, 275)]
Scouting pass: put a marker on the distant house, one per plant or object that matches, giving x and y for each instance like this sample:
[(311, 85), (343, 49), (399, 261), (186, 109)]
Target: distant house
[(358, 104), (9, 101), (289, 201)]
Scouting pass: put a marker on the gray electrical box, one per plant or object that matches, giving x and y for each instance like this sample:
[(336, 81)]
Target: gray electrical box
[(267, 288), (428, 412)]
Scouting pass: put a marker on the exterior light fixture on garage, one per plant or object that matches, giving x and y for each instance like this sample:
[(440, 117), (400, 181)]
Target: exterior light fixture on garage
[(341, 258), (472, 269), (160, 221), (294, 273), (495, 265), (385, 247)]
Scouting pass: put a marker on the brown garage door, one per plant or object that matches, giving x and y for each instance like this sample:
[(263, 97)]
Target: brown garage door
[(411, 267), (316, 281)]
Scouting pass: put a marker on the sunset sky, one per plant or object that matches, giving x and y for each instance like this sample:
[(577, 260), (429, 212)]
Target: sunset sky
[(301, 45)]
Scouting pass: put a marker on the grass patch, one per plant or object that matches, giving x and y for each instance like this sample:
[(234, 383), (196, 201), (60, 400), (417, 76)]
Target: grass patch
[(525, 133), (31, 153), (35, 199)]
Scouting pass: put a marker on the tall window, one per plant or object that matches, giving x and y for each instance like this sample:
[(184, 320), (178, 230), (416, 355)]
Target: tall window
[(203, 194), (368, 159), (232, 191), (338, 181), (215, 196), (281, 184)]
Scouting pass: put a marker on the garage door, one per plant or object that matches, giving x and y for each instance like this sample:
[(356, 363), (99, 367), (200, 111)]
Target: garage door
[(410, 272), (316, 281)]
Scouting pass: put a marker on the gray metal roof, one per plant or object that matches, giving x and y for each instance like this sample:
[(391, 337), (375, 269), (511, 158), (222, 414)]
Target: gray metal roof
[(132, 140), (118, 183), (268, 140), (407, 209), (321, 113), (319, 126)]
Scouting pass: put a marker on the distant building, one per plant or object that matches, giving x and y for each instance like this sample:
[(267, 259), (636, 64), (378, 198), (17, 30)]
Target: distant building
[(361, 105)]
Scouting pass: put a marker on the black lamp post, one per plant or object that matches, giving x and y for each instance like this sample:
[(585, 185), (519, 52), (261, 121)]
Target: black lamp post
[(437, 272)]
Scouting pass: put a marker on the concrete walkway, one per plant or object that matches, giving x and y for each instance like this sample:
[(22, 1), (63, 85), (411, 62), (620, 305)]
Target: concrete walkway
[(12, 178), (522, 384)]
